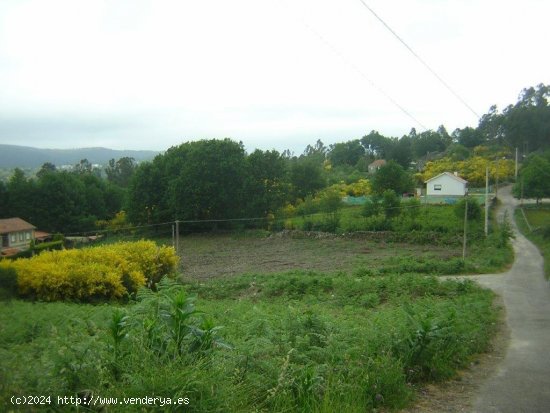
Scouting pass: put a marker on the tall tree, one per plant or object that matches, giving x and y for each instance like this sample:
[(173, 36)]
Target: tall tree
[(346, 153), (266, 186), (376, 144), (120, 172), (534, 179), (47, 167), (392, 176), (306, 177), (468, 137), (426, 142)]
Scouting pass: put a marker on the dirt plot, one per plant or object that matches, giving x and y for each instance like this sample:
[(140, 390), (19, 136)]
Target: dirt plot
[(208, 256)]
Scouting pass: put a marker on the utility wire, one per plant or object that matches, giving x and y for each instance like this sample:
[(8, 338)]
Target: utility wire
[(426, 65), (362, 74)]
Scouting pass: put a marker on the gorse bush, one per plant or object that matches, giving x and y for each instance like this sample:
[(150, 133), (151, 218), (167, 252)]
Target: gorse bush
[(91, 274)]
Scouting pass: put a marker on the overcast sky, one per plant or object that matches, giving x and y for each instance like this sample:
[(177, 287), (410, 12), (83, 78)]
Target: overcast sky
[(150, 74)]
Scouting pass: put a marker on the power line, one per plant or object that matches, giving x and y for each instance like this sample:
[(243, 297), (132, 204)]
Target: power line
[(363, 75), (426, 65)]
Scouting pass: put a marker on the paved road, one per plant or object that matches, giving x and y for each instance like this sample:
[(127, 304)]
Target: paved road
[(521, 383)]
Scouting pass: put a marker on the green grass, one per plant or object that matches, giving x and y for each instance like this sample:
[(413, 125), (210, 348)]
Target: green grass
[(539, 234), (293, 341)]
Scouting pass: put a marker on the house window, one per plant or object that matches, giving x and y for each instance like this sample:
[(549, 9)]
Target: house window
[(437, 187), (27, 236), (21, 238), (13, 237)]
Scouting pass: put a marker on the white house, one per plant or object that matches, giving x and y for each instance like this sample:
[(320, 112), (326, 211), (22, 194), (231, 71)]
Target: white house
[(446, 184)]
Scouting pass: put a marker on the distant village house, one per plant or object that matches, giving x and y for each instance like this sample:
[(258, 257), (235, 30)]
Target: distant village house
[(376, 165), (16, 234), (447, 184)]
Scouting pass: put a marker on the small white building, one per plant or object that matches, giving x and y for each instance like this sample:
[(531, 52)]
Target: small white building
[(446, 184)]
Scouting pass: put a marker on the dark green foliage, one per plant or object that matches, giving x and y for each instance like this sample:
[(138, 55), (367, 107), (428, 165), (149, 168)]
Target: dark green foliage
[(372, 207), (48, 246), (306, 177), (266, 185), (309, 342), (467, 138), (534, 180), (427, 142), (121, 171), (474, 210), (61, 201), (391, 204), (392, 176), (213, 179), (346, 153), (8, 283)]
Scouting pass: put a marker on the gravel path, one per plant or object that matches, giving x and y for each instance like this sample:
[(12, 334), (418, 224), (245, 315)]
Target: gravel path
[(521, 383)]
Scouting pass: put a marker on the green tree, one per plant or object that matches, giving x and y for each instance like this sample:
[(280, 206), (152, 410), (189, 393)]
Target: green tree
[(391, 203), (193, 181), (21, 197), (3, 200), (427, 142), (468, 137), (266, 186), (346, 153), (147, 194), (377, 145), (83, 167), (392, 176), (306, 177), (474, 210), (331, 204), (121, 171), (401, 152), (372, 207), (47, 167), (534, 178), (63, 204), (316, 153)]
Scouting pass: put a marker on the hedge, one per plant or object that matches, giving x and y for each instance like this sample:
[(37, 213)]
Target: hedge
[(95, 273)]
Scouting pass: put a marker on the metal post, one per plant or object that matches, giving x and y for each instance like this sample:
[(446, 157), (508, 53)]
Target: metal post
[(496, 185), (486, 201), (521, 199), (177, 236), (465, 226), (516, 171)]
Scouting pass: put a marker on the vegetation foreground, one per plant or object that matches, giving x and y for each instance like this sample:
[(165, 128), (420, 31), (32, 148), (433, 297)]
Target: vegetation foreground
[(294, 341), (537, 229)]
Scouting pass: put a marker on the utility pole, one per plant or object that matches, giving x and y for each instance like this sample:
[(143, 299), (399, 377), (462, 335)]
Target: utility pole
[(486, 201), (465, 227), (173, 236), (177, 237), (516, 171), (496, 184), (521, 198)]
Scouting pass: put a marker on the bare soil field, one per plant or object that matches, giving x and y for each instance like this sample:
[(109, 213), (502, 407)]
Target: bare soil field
[(220, 255)]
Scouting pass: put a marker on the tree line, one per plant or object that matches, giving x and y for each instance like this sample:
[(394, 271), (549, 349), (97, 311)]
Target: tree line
[(218, 179), (67, 201)]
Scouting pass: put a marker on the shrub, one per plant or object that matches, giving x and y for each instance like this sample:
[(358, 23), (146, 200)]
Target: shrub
[(48, 246), (474, 210), (8, 281), (105, 272)]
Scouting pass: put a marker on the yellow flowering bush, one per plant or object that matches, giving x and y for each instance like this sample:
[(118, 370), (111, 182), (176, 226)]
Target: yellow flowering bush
[(471, 169), (104, 272)]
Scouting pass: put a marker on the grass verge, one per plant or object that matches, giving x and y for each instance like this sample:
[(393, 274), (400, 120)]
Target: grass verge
[(294, 341), (537, 231)]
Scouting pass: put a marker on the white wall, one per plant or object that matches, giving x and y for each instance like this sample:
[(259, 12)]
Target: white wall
[(449, 186)]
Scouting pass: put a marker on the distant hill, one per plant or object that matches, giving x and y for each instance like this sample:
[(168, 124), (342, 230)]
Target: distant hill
[(12, 156)]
